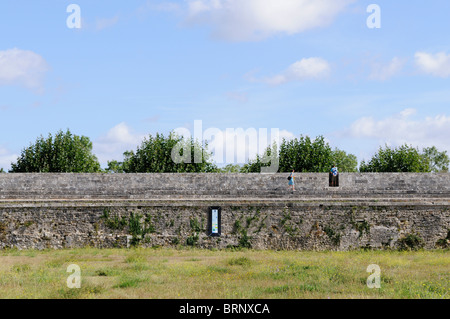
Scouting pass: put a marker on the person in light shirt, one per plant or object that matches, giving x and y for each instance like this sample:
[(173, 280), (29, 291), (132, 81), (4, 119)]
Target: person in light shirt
[(292, 181)]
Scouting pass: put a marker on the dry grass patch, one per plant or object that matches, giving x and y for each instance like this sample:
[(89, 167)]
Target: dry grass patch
[(193, 273)]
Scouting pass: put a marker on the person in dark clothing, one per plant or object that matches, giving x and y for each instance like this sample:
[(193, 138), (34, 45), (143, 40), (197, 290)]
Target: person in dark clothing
[(334, 173)]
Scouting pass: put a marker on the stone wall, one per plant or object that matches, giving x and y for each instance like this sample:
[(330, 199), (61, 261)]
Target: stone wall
[(148, 186), (379, 211)]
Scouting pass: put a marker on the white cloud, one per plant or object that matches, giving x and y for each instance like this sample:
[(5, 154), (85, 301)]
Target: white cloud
[(232, 146), (402, 128), (152, 119), (384, 72), (434, 64), (250, 20), (103, 23), (24, 68), (116, 141), (167, 6), (228, 146), (162, 7), (305, 69), (238, 96), (6, 158)]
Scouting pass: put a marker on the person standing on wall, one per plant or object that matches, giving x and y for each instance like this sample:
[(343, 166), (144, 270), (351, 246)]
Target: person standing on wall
[(291, 179), (334, 173)]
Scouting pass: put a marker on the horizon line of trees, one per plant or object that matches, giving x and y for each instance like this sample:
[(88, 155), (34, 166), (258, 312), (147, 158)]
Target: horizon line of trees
[(65, 152)]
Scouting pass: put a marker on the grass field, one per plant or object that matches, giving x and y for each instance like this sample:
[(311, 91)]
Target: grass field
[(204, 274)]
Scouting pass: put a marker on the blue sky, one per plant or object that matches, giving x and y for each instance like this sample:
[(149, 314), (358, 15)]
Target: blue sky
[(310, 67)]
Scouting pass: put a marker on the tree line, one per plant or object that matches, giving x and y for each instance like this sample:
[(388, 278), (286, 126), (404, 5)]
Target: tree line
[(65, 152)]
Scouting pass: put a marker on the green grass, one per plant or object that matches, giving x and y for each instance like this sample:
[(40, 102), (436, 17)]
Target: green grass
[(223, 274)]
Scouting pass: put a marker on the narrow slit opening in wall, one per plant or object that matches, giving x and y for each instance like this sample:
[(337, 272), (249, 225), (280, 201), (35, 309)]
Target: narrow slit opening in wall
[(215, 221)]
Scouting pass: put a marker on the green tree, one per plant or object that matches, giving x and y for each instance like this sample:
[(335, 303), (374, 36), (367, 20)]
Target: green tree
[(255, 165), (2, 170), (305, 155), (155, 153), (61, 153), (344, 162), (230, 168), (400, 159), (439, 161), (115, 167)]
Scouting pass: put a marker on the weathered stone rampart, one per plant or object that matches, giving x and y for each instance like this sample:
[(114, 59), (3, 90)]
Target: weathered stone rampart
[(148, 186), (377, 211)]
